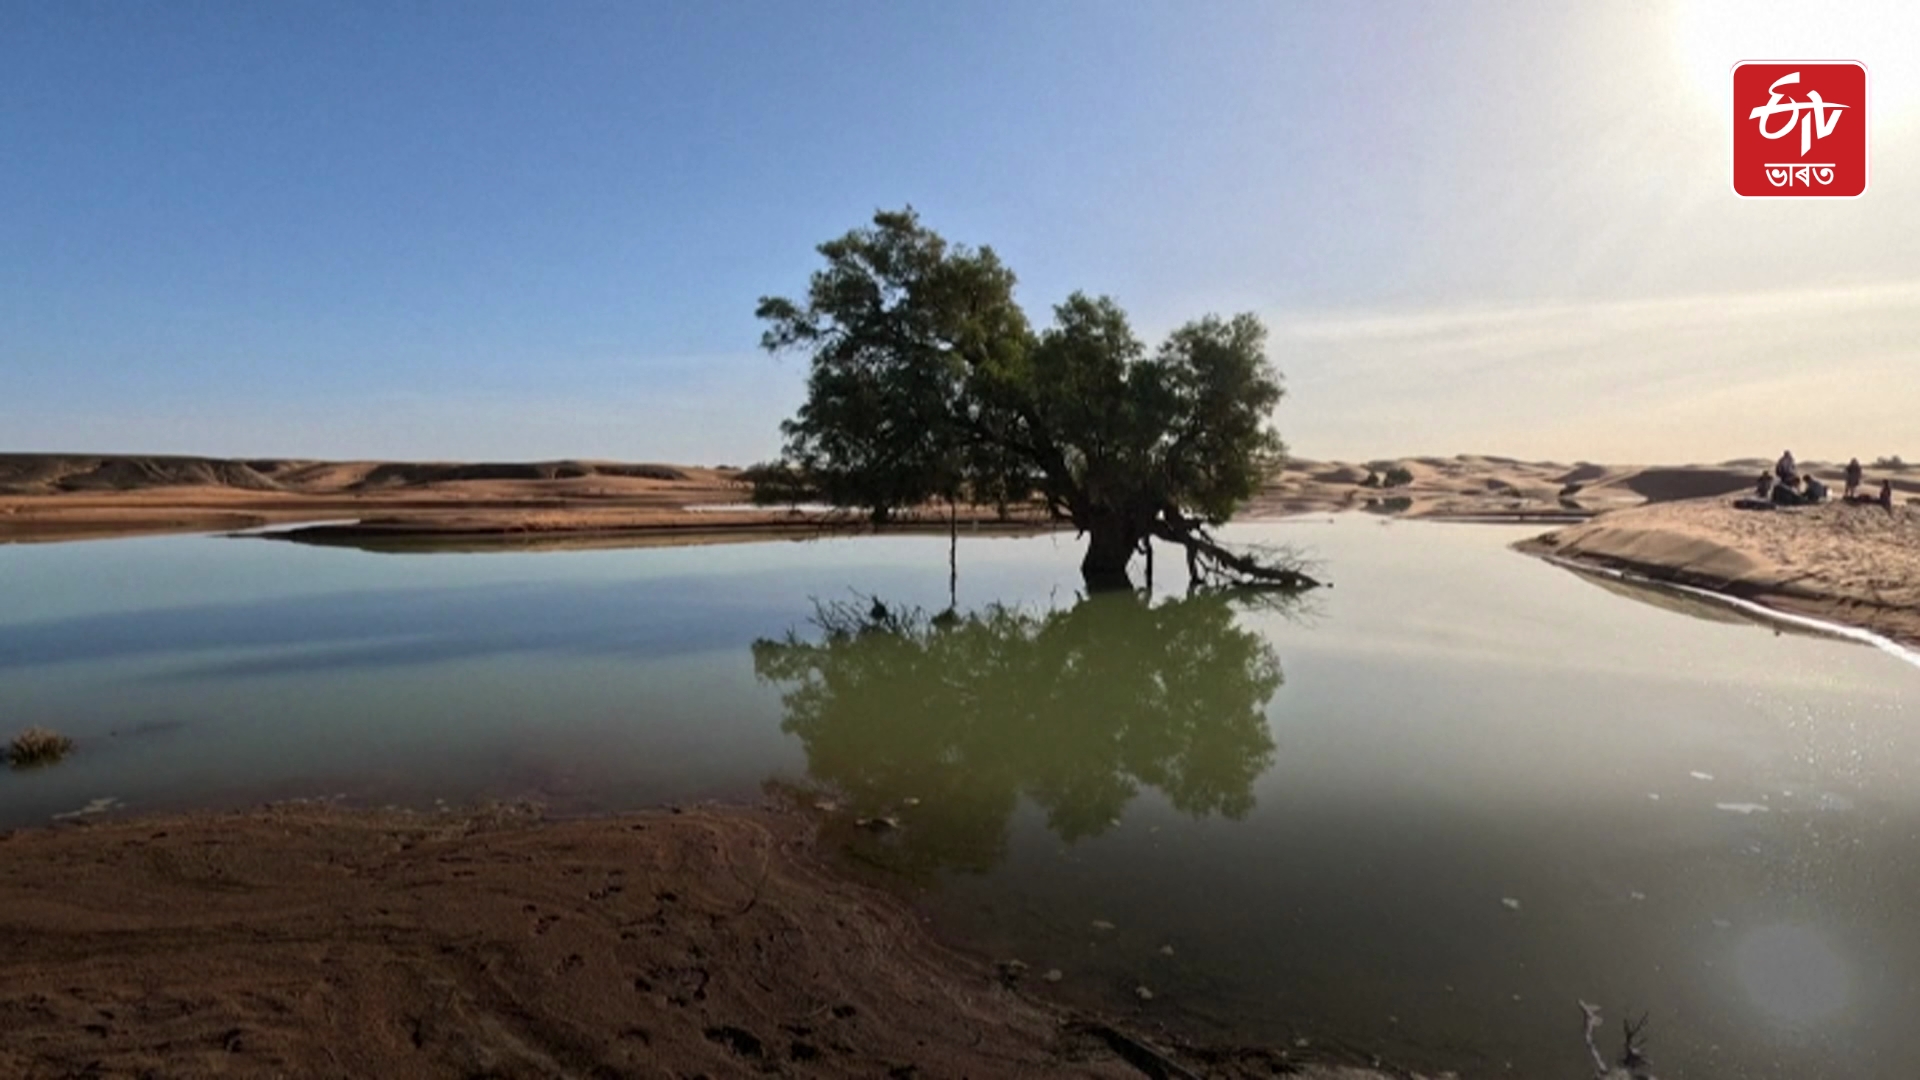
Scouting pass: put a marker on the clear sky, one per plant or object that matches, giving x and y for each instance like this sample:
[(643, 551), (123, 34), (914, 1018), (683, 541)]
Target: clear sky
[(533, 230)]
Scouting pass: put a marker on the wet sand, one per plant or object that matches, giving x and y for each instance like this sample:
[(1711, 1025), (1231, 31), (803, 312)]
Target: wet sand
[(318, 942)]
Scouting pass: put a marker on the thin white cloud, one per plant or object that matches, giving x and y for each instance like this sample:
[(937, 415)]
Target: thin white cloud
[(1831, 372)]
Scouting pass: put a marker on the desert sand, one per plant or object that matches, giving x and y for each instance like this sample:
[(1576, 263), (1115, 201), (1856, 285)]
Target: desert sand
[(569, 503), (58, 497), (317, 942), (1474, 486), (386, 504), (1853, 564)]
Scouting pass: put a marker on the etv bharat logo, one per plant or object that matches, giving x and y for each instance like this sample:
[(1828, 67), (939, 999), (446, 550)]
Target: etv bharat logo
[(1800, 129)]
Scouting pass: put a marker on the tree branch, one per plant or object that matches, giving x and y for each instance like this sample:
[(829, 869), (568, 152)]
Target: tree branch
[(1208, 558)]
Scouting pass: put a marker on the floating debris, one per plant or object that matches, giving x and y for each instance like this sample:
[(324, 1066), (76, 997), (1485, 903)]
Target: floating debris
[(1510, 903), (910, 802), (1698, 775), (1102, 925), (826, 806), (1143, 993), (1166, 950), (878, 824), (1636, 894), (1054, 975), (1740, 807), (1654, 795)]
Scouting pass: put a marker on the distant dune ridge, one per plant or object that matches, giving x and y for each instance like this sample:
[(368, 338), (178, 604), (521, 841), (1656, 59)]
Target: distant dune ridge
[(1479, 485), (75, 496), (53, 474)]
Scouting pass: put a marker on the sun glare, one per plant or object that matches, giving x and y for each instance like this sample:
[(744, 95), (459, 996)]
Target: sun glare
[(1710, 36)]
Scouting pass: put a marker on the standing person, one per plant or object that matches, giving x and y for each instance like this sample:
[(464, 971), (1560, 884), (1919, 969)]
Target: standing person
[(1853, 478), (1786, 470), (1886, 494)]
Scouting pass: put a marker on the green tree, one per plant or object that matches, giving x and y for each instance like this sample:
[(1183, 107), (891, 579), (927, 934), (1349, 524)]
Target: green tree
[(927, 382), (948, 721)]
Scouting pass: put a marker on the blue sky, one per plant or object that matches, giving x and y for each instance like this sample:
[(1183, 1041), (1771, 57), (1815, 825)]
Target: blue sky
[(492, 230)]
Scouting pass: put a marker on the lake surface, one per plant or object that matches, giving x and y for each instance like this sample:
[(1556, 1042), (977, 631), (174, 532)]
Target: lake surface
[(1457, 793)]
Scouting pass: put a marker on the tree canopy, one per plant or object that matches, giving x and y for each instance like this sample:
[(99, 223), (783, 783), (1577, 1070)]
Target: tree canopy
[(928, 382)]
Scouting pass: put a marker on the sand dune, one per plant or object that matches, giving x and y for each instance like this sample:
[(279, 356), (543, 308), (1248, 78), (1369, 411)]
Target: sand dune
[(1482, 486), (67, 496), (53, 474)]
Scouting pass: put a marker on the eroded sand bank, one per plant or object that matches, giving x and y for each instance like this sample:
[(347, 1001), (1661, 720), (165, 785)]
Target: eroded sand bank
[(1858, 565)]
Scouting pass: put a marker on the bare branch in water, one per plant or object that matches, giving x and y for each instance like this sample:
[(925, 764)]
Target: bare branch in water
[(1633, 1060), (1211, 562)]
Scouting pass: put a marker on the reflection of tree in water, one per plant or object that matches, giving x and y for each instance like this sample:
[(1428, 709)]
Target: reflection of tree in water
[(1075, 709)]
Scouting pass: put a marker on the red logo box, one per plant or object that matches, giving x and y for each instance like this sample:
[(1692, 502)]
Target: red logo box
[(1800, 129)]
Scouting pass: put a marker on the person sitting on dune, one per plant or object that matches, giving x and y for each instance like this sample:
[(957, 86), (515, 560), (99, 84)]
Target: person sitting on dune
[(1787, 494), (1886, 495), (1853, 478), (1763, 487), (1786, 470), (1815, 492)]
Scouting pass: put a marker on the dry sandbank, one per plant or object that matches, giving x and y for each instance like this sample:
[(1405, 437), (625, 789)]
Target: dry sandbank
[(1857, 565)]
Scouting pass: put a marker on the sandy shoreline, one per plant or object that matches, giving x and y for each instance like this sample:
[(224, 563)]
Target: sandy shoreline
[(313, 941), (1852, 565)]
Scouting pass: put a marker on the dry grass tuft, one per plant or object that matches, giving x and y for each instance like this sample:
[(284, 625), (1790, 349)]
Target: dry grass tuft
[(38, 746)]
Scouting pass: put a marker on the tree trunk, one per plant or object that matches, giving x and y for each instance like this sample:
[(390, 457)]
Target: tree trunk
[(1111, 542), (953, 555)]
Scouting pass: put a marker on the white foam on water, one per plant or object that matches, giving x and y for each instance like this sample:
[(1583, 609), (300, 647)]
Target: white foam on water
[(97, 806)]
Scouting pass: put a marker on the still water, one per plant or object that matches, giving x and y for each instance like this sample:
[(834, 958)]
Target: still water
[(1424, 814)]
